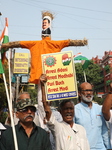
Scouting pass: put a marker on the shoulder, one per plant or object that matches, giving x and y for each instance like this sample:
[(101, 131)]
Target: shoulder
[(96, 106), (28, 43), (80, 127), (6, 126), (7, 131), (81, 130), (77, 106), (41, 130)]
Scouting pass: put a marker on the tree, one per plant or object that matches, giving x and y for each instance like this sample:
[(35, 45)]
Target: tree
[(3, 97), (79, 73), (92, 73)]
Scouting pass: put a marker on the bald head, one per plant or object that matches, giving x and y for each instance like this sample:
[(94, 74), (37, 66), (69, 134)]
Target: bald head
[(85, 85), (86, 92)]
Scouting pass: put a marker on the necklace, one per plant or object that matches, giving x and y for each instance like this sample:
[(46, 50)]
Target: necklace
[(28, 132)]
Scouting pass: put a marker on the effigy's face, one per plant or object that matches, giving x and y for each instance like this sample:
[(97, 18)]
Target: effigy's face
[(45, 24)]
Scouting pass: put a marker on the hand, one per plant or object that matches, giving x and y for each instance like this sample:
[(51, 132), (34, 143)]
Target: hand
[(43, 78), (111, 87), (45, 122)]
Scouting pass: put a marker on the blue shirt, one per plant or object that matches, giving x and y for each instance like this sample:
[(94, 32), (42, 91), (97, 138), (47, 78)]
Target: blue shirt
[(92, 120)]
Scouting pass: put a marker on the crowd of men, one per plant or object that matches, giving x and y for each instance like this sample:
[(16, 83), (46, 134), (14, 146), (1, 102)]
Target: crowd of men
[(82, 127), (79, 127)]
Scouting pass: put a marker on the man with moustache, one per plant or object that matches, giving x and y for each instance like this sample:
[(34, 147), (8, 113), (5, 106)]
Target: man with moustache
[(89, 115), (67, 134), (46, 26), (29, 136)]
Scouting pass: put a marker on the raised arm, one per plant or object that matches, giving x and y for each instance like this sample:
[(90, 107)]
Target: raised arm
[(107, 105), (43, 80), (15, 44), (78, 42)]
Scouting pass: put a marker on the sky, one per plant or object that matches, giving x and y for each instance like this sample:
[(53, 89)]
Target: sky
[(74, 19)]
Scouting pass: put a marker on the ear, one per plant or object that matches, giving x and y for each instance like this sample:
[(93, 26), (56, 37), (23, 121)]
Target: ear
[(16, 114), (79, 93), (60, 111)]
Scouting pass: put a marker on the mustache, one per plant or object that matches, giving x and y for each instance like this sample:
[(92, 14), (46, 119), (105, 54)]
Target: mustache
[(89, 95), (68, 114), (28, 116)]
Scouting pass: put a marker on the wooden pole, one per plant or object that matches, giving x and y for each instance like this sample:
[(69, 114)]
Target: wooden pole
[(11, 116), (85, 76)]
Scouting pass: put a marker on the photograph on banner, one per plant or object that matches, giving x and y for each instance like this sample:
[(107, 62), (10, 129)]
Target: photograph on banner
[(61, 77), (21, 63)]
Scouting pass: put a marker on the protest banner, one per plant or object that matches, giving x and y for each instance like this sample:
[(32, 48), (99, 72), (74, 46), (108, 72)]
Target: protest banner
[(60, 71), (21, 63)]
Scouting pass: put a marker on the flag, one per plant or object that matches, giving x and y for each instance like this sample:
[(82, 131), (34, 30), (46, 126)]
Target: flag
[(1, 67), (79, 56), (85, 64), (4, 39)]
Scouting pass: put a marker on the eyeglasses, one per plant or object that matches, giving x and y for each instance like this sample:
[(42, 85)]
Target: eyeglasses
[(32, 109), (88, 90)]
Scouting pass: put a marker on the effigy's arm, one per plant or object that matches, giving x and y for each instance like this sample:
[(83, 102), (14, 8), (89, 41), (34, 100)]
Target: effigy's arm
[(78, 42), (15, 44)]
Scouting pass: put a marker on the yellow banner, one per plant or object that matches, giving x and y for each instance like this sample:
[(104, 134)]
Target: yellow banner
[(21, 62), (60, 71)]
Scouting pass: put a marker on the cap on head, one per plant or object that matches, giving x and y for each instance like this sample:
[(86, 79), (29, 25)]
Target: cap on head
[(23, 102)]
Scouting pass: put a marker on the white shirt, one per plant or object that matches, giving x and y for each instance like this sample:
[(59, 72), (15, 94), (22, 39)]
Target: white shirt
[(2, 128), (110, 127), (66, 138)]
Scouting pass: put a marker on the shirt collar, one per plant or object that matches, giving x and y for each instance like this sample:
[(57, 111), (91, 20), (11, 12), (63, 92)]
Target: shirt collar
[(74, 128), (20, 126), (84, 104)]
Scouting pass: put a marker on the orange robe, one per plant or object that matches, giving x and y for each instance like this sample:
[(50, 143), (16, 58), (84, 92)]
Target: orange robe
[(37, 48)]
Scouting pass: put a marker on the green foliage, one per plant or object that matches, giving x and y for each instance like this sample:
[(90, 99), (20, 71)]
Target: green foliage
[(3, 98), (98, 100), (92, 73), (33, 94), (3, 116), (79, 72)]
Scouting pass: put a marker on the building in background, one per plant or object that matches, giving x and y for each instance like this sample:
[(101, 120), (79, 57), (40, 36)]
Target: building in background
[(106, 71)]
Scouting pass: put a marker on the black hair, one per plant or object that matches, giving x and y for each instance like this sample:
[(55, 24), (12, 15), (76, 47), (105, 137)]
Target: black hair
[(79, 88), (63, 102), (46, 19)]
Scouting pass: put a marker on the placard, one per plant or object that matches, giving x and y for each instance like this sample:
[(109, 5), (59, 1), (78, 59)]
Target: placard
[(21, 63), (60, 71)]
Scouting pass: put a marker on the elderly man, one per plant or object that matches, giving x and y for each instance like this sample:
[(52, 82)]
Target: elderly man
[(68, 135), (29, 136), (107, 111), (89, 115)]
